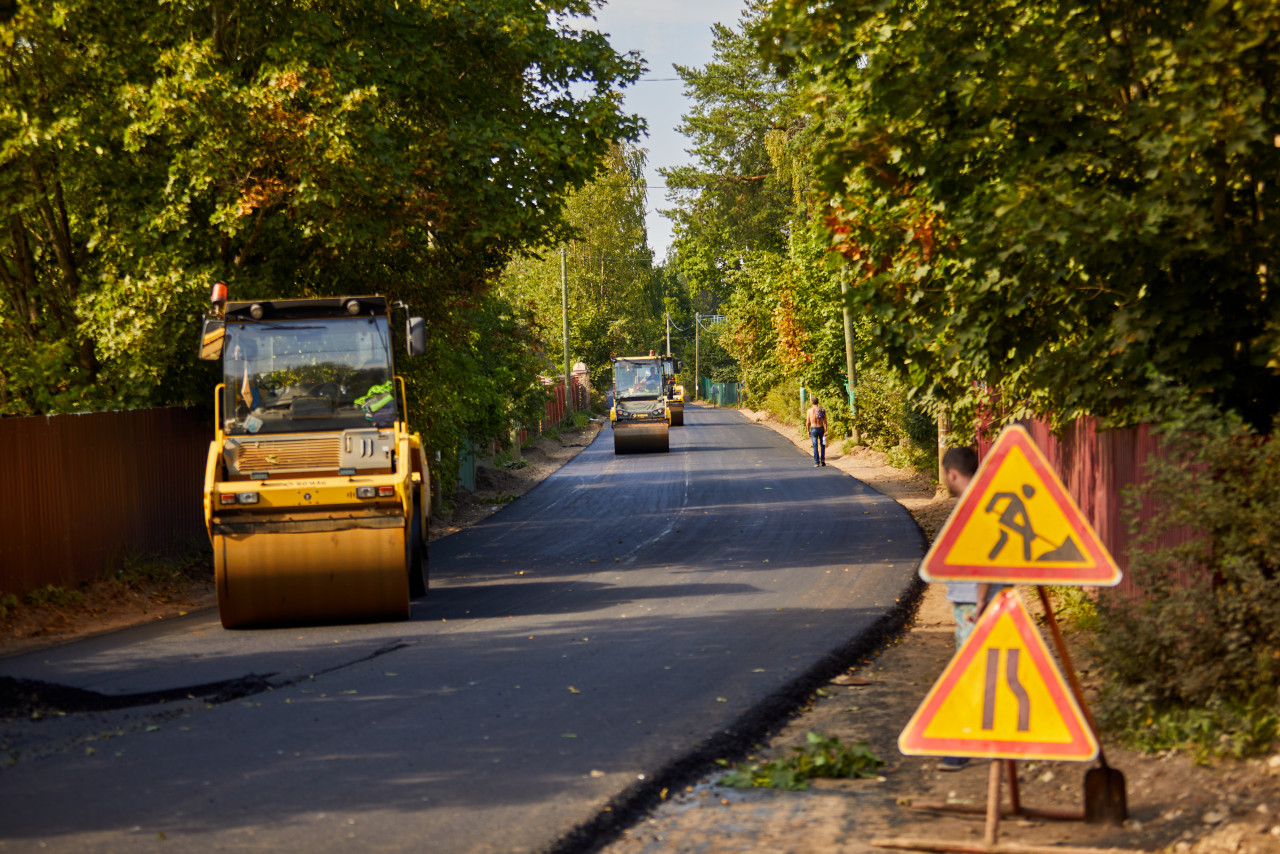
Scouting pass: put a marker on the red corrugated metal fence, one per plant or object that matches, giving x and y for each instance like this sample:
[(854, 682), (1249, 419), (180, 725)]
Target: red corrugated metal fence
[(82, 491)]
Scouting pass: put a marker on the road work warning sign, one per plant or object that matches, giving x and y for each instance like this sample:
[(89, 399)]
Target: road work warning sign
[(1001, 697), (1017, 523)]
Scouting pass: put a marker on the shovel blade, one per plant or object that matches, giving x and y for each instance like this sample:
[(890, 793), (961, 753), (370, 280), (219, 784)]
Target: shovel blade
[(1104, 797)]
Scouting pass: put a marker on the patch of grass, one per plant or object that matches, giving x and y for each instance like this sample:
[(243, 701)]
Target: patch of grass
[(908, 456), (142, 570), (501, 499), (1075, 608), (52, 595), (1224, 728), (822, 756)]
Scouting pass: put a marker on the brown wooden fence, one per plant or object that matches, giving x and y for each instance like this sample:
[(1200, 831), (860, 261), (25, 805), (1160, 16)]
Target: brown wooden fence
[(78, 493), (1096, 467)]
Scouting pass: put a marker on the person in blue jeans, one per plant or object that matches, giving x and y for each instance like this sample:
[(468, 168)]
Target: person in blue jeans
[(816, 421), (968, 598)]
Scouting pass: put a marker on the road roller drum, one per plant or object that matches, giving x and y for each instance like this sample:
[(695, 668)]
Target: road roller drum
[(641, 438), (268, 579)]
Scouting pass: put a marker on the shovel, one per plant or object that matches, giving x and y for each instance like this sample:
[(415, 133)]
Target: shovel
[(1104, 793), (1104, 798)]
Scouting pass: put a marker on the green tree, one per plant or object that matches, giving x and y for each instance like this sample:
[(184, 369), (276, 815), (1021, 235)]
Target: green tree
[(732, 200), (616, 297), (404, 147), (1061, 203)]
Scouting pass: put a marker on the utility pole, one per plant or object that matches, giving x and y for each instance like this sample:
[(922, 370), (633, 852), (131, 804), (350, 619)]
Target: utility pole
[(564, 317), (697, 385), (852, 375), (668, 333)]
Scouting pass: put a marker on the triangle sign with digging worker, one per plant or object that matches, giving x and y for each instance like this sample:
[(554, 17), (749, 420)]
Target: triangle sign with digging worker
[(1017, 524)]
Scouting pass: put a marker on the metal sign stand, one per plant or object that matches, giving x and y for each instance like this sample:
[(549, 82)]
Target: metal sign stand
[(1006, 768), (991, 836)]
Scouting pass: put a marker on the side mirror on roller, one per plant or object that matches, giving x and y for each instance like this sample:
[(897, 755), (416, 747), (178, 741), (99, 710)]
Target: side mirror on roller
[(415, 334), (212, 338)]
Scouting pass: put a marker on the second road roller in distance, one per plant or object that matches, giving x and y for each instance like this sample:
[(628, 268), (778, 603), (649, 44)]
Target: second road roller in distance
[(316, 492), (672, 392), (639, 417)]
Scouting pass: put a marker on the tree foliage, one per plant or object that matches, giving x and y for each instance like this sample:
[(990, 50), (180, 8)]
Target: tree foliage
[(405, 148), (752, 246), (1062, 203), (732, 199), (617, 298)]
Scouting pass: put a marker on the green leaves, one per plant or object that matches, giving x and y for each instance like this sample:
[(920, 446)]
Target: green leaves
[(615, 294), (1192, 658), (1056, 202), (821, 757), (334, 147)]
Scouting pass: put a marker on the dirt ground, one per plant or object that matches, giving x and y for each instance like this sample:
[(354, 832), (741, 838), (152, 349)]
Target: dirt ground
[(1173, 804)]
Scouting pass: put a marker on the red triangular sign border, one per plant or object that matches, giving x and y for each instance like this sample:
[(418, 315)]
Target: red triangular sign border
[(1083, 746), (1101, 570)]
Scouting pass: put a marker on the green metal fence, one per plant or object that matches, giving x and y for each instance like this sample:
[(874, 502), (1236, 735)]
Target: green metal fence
[(721, 394)]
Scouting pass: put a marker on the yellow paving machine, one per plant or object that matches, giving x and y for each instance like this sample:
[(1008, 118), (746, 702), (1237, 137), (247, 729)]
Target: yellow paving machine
[(316, 493), (639, 416), (672, 392)]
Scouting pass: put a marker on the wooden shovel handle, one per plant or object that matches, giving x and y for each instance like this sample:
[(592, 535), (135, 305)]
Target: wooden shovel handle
[(1072, 680)]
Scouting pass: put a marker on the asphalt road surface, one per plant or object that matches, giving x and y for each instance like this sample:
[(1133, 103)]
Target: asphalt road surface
[(628, 620)]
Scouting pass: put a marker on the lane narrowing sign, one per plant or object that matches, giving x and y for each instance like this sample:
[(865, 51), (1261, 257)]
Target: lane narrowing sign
[(1001, 697)]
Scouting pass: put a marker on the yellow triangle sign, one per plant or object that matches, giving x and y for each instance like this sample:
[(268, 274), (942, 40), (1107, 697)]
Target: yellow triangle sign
[(1016, 523), (1001, 697)]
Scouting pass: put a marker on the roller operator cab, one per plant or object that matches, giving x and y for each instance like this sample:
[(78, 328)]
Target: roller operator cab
[(315, 493), (639, 417)]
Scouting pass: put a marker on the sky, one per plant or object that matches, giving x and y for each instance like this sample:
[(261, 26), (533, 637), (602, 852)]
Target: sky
[(664, 32)]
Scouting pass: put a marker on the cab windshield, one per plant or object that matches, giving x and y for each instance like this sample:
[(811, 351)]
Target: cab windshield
[(636, 380), (288, 377)]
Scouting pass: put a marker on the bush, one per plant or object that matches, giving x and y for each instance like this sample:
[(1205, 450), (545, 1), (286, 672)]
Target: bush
[(51, 594), (783, 403), (1197, 654), (821, 757)]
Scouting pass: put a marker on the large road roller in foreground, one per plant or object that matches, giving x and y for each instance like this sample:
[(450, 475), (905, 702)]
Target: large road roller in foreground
[(316, 494), (639, 416), (672, 392)]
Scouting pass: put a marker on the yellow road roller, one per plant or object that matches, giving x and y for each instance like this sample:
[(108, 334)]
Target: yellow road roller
[(672, 392), (639, 417), (316, 493)]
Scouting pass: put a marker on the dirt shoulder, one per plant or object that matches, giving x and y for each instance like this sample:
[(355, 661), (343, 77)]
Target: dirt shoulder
[(1174, 805)]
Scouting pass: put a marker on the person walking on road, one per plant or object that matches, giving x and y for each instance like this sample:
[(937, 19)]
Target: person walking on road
[(816, 421), (968, 598)]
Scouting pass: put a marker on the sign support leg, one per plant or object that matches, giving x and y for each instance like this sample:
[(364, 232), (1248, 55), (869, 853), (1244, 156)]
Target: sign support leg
[(993, 803), (1015, 798)]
